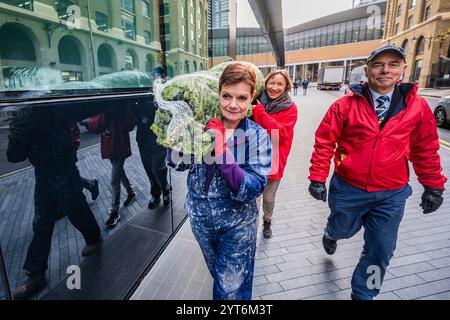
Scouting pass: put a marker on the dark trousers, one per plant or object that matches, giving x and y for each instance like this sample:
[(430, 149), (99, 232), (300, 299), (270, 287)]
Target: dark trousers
[(380, 213), (118, 176), (154, 162), (57, 192)]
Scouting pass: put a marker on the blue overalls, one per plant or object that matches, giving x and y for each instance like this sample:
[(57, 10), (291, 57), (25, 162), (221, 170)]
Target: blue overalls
[(224, 223)]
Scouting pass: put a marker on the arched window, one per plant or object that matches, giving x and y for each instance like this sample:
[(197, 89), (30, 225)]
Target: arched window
[(15, 44), (399, 10), (195, 66), (420, 46), (61, 8), (186, 67), (68, 51), (405, 46), (129, 62), (104, 56), (201, 63), (417, 70)]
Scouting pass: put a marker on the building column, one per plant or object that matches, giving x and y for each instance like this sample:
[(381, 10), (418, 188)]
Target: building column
[(2, 81), (116, 19), (345, 71)]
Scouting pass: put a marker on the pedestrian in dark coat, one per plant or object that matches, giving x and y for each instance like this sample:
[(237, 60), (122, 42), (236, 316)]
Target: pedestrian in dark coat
[(153, 156), (45, 141), (305, 84), (296, 83)]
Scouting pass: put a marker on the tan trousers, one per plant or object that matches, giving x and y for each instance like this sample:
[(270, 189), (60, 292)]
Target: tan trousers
[(268, 199)]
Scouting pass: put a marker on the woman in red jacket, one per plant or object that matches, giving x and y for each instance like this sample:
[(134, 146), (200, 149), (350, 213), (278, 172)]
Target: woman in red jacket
[(276, 113)]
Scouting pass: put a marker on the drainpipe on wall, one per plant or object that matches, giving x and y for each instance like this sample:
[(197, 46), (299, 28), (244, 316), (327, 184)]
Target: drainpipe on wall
[(91, 39)]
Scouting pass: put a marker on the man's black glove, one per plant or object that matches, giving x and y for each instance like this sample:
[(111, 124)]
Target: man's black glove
[(431, 199), (318, 190)]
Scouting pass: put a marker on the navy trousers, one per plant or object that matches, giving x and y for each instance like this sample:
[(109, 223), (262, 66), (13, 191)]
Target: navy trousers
[(380, 213)]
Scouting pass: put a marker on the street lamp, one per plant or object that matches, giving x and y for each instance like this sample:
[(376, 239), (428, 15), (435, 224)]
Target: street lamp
[(50, 29)]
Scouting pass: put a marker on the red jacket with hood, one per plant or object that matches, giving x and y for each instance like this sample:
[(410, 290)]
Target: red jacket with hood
[(284, 122), (375, 157), (115, 137)]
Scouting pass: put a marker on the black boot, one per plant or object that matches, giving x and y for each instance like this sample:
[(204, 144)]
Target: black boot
[(166, 199), (92, 248), (130, 198), (94, 189), (152, 204), (329, 245), (267, 229), (33, 284)]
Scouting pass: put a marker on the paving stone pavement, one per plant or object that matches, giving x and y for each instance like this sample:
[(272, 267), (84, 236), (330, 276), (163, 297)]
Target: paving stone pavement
[(293, 265)]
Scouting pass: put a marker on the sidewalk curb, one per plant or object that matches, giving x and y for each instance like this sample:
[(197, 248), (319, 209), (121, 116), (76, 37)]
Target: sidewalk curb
[(429, 95)]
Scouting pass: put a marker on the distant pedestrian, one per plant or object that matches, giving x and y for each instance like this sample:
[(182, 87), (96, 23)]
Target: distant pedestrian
[(276, 113), (373, 132), (296, 83), (115, 145), (46, 142), (305, 84)]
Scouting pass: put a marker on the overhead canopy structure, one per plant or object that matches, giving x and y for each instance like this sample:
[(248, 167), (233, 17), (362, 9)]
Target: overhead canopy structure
[(269, 15)]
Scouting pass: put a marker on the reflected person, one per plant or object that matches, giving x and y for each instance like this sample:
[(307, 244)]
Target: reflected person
[(152, 156), (115, 128), (46, 142)]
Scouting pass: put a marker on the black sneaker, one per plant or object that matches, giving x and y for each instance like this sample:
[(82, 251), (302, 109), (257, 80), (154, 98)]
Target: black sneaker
[(329, 245), (94, 189), (114, 217), (33, 284), (91, 248), (130, 198), (267, 229), (152, 204), (166, 200)]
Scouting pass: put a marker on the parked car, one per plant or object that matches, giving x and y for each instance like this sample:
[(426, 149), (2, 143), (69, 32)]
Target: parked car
[(442, 112)]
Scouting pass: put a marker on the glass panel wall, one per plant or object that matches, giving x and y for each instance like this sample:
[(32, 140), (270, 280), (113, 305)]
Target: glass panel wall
[(63, 66)]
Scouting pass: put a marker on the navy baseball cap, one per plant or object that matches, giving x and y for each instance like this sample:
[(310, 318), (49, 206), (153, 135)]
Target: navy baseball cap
[(388, 48)]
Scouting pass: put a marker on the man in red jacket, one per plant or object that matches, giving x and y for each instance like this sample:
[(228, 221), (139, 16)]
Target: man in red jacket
[(373, 132)]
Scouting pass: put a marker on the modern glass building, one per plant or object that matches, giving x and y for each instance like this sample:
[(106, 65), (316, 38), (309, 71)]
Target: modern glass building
[(314, 44), (222, 15)]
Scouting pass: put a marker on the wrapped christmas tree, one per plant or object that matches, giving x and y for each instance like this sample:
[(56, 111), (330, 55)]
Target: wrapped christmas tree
[(185, 104)]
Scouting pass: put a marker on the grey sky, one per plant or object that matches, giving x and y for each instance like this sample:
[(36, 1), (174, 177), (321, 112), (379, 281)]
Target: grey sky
[(294, 11)]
